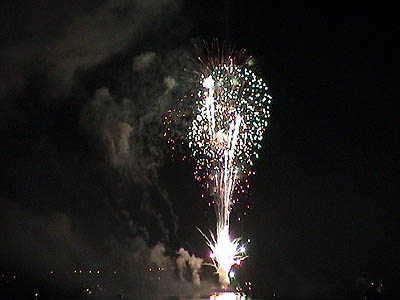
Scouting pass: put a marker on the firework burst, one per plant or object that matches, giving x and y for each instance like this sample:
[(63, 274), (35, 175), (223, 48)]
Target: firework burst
[(228, 120)]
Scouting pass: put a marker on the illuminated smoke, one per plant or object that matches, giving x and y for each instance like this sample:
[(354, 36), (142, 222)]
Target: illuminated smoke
[(183, 260)]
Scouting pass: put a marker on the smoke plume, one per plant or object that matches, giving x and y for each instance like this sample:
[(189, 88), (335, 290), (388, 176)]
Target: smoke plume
[(185, 259), (84, 91)]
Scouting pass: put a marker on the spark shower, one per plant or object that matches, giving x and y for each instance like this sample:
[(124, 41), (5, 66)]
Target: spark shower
[(229, 116)]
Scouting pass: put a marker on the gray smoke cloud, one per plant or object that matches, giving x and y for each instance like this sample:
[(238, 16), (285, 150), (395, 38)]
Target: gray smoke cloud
[(108, 120), (62, 37), (142, 61), (142, 269), (185, 259), (195, 264), (130, 127), (28, 232), (85, 180)]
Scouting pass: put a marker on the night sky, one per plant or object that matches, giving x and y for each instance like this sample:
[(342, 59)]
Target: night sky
[(87, 180)]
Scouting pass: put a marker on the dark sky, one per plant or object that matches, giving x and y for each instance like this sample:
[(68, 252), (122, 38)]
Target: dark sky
[(85, 172)]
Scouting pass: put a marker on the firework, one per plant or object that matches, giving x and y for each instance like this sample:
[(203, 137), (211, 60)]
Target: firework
[(228, 119)]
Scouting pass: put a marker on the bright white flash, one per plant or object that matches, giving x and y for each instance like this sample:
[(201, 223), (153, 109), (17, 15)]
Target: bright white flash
[(224, 254), (208, 83)]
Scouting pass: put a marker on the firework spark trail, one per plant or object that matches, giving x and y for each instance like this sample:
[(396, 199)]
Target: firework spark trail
[(229, 121), (224, 181), (225, 252)]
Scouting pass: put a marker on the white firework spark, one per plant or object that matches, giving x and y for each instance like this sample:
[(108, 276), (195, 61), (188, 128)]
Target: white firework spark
[(226, 132)]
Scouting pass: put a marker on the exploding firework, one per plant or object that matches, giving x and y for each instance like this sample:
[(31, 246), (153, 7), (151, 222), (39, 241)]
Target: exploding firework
[(230, 113)]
